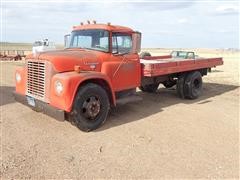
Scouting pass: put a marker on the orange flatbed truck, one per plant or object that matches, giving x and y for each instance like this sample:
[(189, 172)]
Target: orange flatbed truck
[(99, 68)]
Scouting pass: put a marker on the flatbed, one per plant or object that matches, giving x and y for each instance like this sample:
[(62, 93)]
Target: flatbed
[(154, 66)]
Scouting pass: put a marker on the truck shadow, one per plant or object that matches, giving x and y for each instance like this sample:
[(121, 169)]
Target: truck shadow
[(6, 96), (155, 103), (150, 105)]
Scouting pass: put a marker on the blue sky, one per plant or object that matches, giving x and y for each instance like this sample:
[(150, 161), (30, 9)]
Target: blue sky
[(206, 23)]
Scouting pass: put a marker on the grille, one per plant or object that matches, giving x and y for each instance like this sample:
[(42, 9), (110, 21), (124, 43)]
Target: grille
[(36, 79)]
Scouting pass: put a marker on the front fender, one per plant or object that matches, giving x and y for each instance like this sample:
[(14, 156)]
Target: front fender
[(71, 81)]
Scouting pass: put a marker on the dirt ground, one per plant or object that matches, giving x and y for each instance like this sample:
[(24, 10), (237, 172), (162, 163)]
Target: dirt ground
[(160, 137)]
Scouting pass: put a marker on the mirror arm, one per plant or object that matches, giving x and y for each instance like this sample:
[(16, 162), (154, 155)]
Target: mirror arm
[(66, 40)]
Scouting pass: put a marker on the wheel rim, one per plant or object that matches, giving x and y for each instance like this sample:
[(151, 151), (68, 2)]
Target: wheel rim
[(196, 84), (91, 107)]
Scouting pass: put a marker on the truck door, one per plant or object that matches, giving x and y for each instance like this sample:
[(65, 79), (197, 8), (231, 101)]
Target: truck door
[(126, 74)]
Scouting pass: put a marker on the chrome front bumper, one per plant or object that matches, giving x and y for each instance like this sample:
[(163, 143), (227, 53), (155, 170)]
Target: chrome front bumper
[(41, 106)]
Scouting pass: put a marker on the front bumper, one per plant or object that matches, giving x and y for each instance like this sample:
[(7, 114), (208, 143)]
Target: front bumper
[(41, 107)]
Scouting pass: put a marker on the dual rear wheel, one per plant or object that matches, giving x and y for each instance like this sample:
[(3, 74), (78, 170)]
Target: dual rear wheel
[(189, 85)]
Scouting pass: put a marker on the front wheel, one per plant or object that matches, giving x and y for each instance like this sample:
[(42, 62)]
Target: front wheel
[(90, 108)]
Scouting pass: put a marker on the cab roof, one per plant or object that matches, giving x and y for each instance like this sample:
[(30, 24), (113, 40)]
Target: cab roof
[(108, 27)]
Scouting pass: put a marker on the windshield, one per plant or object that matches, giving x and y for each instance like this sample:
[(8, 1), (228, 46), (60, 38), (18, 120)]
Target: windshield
[(90, 39)]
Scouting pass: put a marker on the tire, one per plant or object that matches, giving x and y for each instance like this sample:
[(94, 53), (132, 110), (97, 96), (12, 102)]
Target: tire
[(90, 107), (193, 85), (150, 88), (169, 83), (144, 54), (180, 86)]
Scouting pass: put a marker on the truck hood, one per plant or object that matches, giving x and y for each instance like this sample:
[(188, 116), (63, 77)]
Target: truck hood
[(65, 60)]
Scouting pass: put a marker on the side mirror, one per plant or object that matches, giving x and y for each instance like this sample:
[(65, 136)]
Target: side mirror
[(67, 40), (136, 40)]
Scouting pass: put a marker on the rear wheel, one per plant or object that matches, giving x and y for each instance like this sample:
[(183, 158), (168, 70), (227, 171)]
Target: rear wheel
[(90, 108), (180, 86), (189, 85), (193, 85), (151, 88)]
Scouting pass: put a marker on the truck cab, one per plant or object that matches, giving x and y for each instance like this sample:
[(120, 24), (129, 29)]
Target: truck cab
[(98, 58), (112, 50)]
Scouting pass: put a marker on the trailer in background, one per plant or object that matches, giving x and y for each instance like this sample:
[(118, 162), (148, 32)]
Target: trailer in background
[(12, 55)]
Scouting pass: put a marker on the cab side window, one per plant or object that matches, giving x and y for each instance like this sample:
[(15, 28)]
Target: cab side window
[(121, 43)]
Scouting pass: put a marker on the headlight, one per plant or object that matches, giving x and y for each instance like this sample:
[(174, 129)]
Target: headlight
[(58, 87), (18, 77)]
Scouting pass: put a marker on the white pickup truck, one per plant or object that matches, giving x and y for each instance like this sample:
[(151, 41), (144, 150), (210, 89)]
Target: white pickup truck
[(42, 45)]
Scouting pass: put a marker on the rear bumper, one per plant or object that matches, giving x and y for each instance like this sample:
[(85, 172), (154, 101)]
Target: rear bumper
[(41, 107)]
